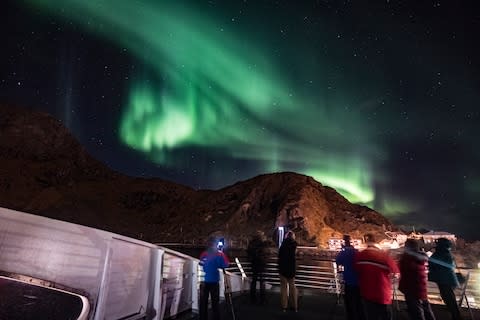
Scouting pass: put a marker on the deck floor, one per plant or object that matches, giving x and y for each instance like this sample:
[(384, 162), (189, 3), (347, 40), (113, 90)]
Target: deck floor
[(313, 306)]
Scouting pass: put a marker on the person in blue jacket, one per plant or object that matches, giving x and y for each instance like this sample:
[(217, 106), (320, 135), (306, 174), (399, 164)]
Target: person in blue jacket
[(211, 260), (353, 301), (441, 269)]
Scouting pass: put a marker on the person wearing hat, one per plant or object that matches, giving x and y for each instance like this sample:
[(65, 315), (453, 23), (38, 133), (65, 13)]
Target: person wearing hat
[(441, 270), (211, 260), (351, 296), (413, 281)]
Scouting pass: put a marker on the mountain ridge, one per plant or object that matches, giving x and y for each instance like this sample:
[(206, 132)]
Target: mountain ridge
[(46, 171)]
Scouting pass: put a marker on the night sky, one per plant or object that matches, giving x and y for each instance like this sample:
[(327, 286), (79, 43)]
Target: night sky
[(377, 99)]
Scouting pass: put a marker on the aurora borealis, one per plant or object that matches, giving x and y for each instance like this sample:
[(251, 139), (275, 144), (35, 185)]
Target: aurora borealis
[(378, 102)]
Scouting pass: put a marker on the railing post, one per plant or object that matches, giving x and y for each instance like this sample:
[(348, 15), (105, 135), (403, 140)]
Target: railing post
[(194, 271), (102, 294), (155, 296), (338, 289)]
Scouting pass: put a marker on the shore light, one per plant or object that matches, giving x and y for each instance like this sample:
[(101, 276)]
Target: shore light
[(281, 234)]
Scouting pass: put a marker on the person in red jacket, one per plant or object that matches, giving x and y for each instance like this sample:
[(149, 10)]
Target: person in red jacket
[(413, 281), (375, 268)]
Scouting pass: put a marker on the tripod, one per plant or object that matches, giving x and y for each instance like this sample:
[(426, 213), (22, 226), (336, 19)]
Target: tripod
[(228, 293), (463, 294)]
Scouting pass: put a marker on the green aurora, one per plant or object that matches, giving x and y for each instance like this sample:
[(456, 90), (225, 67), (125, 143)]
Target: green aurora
[(225, 91)]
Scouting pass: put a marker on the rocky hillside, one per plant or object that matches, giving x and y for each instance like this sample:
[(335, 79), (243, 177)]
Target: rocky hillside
[(45, 171)]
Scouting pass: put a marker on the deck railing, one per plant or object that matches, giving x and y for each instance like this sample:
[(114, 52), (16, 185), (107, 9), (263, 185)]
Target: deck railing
[(323, 275), (121, 277)]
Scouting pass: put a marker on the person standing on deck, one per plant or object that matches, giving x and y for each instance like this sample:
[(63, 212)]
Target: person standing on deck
[(211, 260), (413, 281), (441, 267), (257, 254), (375, 268), (353, 301), (287, 269)]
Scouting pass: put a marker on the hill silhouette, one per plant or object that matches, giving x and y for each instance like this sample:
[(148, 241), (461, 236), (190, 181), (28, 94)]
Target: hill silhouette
[(45, 171)]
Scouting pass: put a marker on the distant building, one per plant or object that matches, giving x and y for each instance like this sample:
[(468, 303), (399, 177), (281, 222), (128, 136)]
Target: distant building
[(389, 244), (336, 244), (415, 235), (395, 239), (433, 236)]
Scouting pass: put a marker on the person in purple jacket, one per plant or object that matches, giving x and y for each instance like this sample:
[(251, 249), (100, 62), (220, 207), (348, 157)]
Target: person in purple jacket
[(353, 301), (211, 260)]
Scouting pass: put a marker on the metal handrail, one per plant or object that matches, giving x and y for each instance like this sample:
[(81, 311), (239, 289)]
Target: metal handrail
[(326, 277)]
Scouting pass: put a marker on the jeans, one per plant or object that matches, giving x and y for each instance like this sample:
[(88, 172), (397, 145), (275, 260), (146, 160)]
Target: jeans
[(257, 277), (353, 303), (377, 311), (212, 289), (419, 309), (448, 296)]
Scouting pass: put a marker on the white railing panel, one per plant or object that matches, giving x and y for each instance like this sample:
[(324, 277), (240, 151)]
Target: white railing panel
[(179, 279), (56, 251), (128, 284), (120, 276)]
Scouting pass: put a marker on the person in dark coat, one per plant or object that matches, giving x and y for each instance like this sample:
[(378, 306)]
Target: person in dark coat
[(413, 281), (257, 254), (352, 298), (442, 271), (287, 269)]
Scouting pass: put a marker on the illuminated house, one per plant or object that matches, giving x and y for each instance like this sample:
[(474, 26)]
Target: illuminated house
[(433, 236), (337, 243)]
